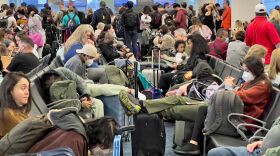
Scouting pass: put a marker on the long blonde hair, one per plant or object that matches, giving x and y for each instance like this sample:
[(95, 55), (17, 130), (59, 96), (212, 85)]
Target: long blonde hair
[(274, 67), (78, 36), (274, 16), (256, 50)]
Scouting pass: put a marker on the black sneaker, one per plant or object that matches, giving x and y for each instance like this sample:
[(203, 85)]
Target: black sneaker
[(188, 148)]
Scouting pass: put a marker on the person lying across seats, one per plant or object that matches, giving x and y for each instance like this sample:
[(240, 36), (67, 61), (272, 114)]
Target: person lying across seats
[(255, 94)]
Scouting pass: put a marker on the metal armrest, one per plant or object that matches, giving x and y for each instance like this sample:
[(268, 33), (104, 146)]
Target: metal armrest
[(246, 116), (240, 127), (125, 128)]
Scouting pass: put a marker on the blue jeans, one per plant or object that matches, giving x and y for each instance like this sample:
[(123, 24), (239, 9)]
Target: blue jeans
[(131, 40), (232, 151)]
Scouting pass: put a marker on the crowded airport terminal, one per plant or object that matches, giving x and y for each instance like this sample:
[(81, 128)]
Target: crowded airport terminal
[(140, 78)]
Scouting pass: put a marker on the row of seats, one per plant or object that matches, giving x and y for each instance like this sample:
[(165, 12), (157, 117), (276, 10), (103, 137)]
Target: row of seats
[(271, 112), (223, 69)]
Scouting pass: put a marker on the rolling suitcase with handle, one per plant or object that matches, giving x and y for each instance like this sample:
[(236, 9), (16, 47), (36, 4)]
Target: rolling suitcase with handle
[(148, 138)]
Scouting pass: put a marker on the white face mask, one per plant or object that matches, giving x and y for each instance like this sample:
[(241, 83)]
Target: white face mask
[(247, 76), (89, 62)]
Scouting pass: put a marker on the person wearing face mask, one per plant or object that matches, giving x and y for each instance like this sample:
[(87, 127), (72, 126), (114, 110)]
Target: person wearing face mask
[(255, 94), (25, 60), (219, 47), (84, 57)]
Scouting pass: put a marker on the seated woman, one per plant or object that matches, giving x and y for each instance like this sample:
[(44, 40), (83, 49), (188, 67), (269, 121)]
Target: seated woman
[(180, 55), (100, 28), (108, 50), (255, 94), (166, 41), (15, 101), (199, 48), (107, 28), (257, 50), (81, 36), (202, 29), (274, 69)]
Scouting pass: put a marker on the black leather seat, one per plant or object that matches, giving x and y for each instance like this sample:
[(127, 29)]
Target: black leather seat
[(219, 67), (226, 72)]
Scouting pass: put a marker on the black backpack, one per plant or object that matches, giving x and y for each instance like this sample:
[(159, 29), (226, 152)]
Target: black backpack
[(169, 20), (105, 16), (119, 26), (130, 19), (156, 20), (4, 22), (71, 25), (221, 104)]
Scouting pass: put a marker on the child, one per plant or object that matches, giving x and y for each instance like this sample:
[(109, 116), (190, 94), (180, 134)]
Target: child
[(180, 56)]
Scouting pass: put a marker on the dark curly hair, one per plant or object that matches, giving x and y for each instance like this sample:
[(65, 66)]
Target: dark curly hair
[(32, 8), (101, 132)]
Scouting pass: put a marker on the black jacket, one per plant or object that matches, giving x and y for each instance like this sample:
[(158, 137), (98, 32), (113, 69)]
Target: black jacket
[(108, 51), (124, 15), (101, 15)]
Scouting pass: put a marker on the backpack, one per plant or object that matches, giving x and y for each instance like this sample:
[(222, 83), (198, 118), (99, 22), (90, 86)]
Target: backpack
[(4, 22), (119, 26), (72, 23), (105, 16), (66, 89), (168, 20), (23, 136), (146, 36), (130, 19), (156, 20), (221, 104)]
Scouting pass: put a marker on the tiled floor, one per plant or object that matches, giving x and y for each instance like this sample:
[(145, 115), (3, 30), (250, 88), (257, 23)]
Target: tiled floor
[(169, 128)]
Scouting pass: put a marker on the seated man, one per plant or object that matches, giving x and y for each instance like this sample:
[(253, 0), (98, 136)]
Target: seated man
[(25, 61), (83, 57), (219, 47), (90, 107), (269, 146)]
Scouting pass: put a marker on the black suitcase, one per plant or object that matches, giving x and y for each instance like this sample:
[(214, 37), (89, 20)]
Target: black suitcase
[(148, 139)]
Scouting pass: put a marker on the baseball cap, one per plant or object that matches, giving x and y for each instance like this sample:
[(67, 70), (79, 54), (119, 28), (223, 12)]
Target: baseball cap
[(88, 49), (260, 8)]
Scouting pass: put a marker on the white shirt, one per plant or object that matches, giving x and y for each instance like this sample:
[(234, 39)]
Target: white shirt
[(276, 81)]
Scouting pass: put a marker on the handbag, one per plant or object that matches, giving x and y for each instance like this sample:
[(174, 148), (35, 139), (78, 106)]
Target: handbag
[(37, 39), (197, 91)]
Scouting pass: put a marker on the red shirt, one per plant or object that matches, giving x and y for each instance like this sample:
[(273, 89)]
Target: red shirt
[(255, 99), (219, 49), (181, 19), (262, 32), (226, 22)]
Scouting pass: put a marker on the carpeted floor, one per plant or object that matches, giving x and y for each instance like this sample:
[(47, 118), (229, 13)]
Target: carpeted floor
[(169, 128)]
